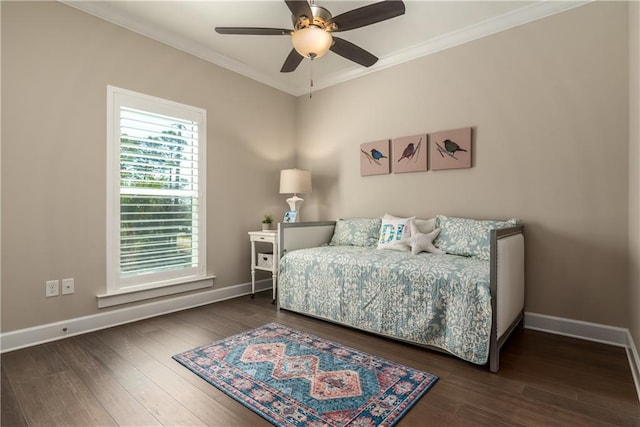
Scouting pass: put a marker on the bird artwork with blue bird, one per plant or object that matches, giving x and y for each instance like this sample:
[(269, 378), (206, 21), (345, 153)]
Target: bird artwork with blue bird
[(377, 154)]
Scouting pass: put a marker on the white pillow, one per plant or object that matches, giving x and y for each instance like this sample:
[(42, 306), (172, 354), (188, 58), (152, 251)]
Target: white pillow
[(395, 233), (423, 242), (425, 225)]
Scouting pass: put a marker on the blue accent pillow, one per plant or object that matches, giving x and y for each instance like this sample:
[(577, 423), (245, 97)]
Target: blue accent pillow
[(467, 237), (356, 232)]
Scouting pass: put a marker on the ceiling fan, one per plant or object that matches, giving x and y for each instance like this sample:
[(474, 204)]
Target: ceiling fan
[(313, 27)]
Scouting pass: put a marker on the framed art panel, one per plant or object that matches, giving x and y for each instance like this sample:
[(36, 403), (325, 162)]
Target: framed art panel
[(450, 149), (290, 216), (410, 154), (374, 158)]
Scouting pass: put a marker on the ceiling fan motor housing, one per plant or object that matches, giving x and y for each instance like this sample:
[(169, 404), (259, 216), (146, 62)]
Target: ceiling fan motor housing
[(321, 18)]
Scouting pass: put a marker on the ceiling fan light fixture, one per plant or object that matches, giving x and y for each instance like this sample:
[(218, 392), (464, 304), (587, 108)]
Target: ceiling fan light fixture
[(311, 42), (313, 27)]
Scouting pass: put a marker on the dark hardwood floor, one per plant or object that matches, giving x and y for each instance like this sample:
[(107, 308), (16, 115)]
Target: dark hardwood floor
[(125, 376)]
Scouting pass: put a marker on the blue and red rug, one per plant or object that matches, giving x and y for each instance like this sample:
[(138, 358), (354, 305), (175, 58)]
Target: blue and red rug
[(295, 379)]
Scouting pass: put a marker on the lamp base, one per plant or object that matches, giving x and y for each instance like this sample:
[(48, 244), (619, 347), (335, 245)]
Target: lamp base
[(294, 205)]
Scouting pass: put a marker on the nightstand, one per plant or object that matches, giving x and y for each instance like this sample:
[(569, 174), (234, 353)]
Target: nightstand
[(264, 261)]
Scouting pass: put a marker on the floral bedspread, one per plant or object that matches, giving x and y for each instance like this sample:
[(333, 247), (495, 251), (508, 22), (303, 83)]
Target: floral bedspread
[(438, 300)]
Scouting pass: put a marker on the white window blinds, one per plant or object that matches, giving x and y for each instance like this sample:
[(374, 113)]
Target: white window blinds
[(159, 208)]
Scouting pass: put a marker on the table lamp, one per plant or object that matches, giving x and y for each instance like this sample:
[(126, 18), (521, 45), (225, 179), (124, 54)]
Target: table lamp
[(294, 181)]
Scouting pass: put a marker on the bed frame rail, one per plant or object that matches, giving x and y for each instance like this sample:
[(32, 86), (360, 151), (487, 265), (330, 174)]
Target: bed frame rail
[(507, 288), (302, 235)]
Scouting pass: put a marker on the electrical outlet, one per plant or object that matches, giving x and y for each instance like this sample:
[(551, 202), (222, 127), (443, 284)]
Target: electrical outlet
[(52, 288), (67, 286)]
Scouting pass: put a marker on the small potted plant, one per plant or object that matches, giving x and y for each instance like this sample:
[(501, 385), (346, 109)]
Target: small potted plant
[(266, 222)]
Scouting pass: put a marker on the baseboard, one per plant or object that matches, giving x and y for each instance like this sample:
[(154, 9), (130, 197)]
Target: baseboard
[(620, 337), (27, 337), (634, 362), (577, 329)]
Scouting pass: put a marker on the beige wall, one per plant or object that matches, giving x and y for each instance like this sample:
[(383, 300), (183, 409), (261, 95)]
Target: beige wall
[(549, 107), (548, 102), (634, 171), (56, 65)]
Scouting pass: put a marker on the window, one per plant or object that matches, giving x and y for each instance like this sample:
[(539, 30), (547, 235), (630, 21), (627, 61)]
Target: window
[(156, 218)]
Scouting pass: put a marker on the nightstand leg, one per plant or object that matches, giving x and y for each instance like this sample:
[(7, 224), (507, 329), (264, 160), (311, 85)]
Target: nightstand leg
[(253, 269), (253, 283), (274, 277), (275, 271)]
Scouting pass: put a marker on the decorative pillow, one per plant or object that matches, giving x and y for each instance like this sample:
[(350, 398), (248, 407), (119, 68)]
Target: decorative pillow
[(425, 225), (467, 237), (423, 242), (395, 233), (356, 232)]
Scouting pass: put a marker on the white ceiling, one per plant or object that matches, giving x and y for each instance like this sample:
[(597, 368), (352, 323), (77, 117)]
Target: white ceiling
[(426, 27)]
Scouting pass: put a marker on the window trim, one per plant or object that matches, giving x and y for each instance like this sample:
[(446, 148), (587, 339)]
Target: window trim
[(115, 285), (125, 297)]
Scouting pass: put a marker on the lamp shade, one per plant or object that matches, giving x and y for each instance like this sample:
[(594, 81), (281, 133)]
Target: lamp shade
[(293, 181), (311, 42)]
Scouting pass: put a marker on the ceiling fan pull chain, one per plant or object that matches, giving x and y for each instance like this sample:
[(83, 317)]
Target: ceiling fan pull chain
[(311, 79)]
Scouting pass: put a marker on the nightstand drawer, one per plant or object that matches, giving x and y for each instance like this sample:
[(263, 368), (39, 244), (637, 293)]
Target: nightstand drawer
[(265, 260)]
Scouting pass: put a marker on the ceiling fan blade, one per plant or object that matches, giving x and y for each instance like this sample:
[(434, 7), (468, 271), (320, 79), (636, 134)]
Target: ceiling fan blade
[(299, 8), (352, 52), (367, 15), (291, 63), (254, 31)]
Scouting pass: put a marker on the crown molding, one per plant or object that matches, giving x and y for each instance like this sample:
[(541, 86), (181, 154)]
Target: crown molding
[(524, 15), (101, 10), (467, 34)]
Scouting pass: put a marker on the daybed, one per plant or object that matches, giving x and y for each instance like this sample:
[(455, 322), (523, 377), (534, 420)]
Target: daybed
[(465, 302)]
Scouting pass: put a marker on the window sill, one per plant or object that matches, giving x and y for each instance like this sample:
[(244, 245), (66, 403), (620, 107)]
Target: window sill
[(127, 296)]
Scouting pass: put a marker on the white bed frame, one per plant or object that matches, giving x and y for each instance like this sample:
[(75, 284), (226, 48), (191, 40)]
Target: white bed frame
[(506, 274)]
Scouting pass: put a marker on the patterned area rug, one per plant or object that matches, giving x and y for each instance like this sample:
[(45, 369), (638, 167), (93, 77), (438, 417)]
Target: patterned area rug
[(295, 379)]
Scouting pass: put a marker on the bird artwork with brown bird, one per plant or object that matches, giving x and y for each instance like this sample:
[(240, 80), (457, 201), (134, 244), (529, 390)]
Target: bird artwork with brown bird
[(410, 150)]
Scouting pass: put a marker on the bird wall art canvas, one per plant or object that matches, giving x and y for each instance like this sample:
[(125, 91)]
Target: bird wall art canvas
[(450, 149), (374, 158), (409, 154)]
